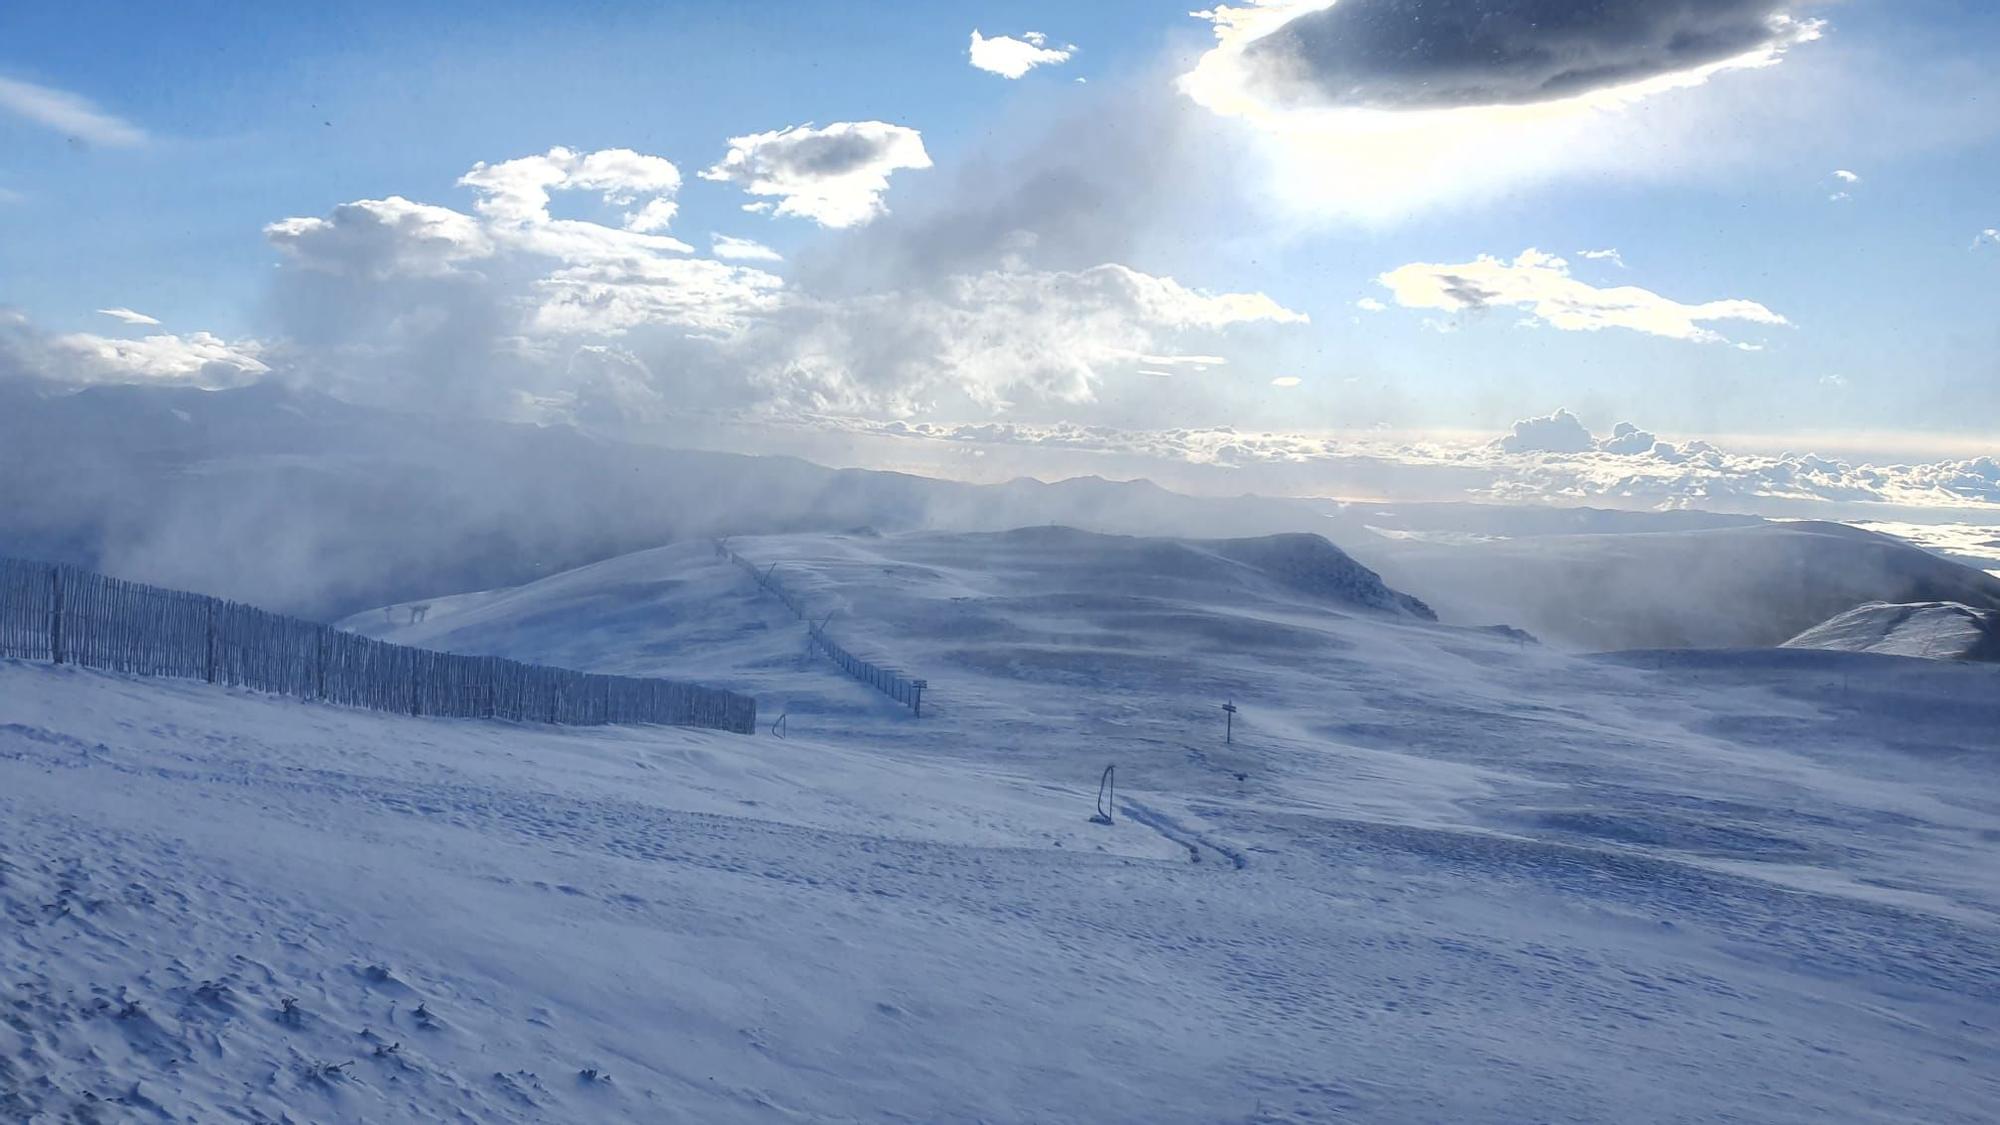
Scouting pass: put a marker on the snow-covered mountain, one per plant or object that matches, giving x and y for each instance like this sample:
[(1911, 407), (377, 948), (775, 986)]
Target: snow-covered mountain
[(304, 504), (1932, 630), (1439, 873)]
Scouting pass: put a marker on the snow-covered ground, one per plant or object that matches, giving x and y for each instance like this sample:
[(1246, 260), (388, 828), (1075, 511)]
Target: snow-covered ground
[(1928, 630), (1440, 875)]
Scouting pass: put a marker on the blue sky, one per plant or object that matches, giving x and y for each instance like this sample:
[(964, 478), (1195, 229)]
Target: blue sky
[(1724, 190)]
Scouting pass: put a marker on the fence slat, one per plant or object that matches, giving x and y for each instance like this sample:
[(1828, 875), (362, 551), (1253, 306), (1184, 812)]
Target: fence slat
[(61, 613)]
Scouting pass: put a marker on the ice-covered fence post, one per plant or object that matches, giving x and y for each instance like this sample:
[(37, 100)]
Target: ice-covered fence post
[(917, 700), (208, 658), (55, 614)]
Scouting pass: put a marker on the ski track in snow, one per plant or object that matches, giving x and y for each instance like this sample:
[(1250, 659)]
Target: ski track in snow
[(1445, 879)]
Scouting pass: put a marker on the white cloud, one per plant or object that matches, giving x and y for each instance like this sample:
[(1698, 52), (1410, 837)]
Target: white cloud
[(67, 113), (1609, 255), (611, 298), (514, 201), (1845, 176), (1543, 285), (517, 191), (1012, 58), (1286, 381), (1628, 440), (1370, 304), (1988, 237), (596, 278), (129, 316), (835, 176), (653, 216), (1198, 362), (742, 249), (422, 305), (201, 359), (1561, 432), (382, 238), (997, 336)]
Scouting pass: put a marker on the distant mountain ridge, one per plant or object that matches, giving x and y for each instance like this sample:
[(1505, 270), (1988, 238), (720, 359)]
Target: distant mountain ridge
[(307, 505)]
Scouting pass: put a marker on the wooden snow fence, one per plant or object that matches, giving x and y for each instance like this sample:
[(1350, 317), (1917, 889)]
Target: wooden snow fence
[(903, 689), (73, 616)]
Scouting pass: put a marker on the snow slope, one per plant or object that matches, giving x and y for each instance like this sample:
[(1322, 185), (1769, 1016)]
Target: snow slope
[(1440, 875), (1717, 587), (1933, 630)]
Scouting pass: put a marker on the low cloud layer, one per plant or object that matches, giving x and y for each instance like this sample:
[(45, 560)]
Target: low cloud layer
[(1554, 459), (1011, 58), (1447, 54), (1542, 285), (198, 359), (835, 176)]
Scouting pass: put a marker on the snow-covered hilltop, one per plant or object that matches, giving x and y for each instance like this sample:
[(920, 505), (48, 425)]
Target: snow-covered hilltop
[(1931, 630)]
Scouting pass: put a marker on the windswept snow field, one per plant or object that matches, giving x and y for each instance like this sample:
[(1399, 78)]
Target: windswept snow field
[(1442, 874)]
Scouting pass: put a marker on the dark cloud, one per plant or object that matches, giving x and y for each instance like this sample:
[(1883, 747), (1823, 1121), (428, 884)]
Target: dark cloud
[(1437, 54), (1467, 292)]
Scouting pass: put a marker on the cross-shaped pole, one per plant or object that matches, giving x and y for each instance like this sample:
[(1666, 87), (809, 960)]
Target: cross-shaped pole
[(1229, 722)]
